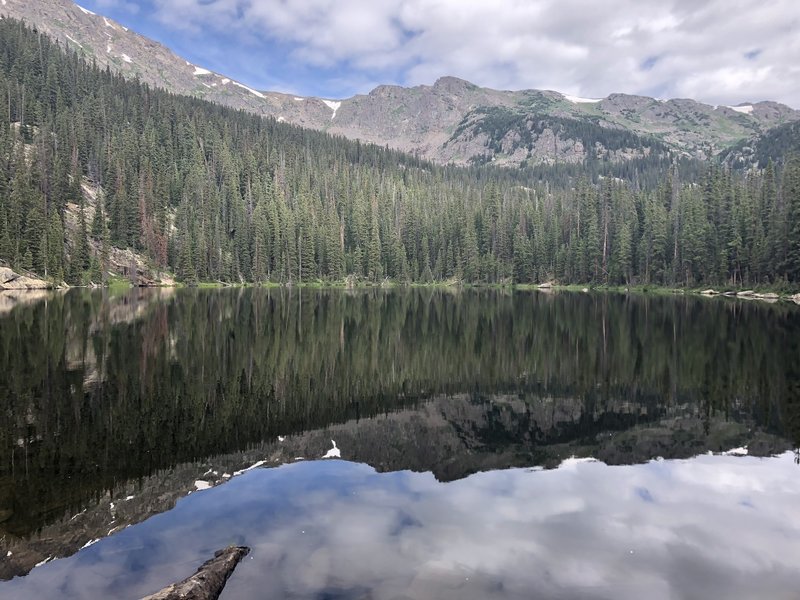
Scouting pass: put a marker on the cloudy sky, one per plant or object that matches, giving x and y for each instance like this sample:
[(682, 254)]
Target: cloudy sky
[(718, 51)]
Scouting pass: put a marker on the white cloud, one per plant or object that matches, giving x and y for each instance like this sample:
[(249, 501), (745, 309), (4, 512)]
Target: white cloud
[(677, 48), (712, 526)]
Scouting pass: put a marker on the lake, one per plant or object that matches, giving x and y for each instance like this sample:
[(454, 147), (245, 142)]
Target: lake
[(400, 443)]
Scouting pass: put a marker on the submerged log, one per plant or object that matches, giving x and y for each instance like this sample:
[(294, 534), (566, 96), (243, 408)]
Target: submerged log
[(210, 579)]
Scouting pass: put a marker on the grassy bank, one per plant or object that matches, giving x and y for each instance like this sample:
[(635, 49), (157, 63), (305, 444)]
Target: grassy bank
[(785, 292)]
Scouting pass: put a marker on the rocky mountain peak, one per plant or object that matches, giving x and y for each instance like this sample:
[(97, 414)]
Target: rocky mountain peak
[(387, 91), (452, 120), (453, 85)]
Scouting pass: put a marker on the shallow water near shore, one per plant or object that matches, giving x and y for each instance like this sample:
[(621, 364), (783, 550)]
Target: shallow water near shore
[(482, 444)]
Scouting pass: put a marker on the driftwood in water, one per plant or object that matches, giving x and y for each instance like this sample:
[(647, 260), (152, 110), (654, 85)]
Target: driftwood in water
[(209, 580)]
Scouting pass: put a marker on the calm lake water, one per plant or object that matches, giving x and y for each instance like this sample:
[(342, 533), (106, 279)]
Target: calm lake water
[(400, 444)]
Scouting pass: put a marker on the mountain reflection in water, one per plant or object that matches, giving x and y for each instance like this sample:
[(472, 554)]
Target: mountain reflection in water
[(118, 406)]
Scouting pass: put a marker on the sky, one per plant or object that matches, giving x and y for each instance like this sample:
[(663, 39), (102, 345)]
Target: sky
[(717, 51)]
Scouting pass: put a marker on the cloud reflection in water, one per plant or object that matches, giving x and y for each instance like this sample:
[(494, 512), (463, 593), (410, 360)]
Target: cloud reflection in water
[(712, 526)]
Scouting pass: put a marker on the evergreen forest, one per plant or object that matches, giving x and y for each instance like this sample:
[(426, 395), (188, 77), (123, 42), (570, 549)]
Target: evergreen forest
[(90, 162)]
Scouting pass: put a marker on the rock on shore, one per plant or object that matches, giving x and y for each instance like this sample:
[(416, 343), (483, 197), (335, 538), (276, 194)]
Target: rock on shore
[(9, 280)]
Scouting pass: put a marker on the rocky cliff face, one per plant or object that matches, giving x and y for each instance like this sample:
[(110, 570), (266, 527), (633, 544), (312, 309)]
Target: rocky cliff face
[(449, 121), (760, 149)]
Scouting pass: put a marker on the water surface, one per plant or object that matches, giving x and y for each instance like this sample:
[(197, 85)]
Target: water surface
[(451, 411)]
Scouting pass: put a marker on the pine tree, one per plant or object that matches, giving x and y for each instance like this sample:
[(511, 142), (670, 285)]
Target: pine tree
[(36, 238), (19, 204), (471, 258), (260, 244), (6, 247), (426, 275), (623, 254), (791, 197), (98, 220), (80, 259), (523, 258), (335, 249), (374, 266), (26, 262), (55, 248)]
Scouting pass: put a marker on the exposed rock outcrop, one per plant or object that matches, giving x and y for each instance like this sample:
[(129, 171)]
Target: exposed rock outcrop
[(123, 263), (9, 280)]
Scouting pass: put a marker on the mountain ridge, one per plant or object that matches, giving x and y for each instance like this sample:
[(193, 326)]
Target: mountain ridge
[(451, 121)]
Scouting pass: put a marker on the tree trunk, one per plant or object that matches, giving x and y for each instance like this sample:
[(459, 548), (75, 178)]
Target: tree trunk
[(209, 580)]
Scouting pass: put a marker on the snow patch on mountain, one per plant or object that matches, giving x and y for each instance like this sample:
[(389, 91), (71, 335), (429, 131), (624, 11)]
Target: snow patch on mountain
[(298, 99), (74, 41), (251, 90), (109, 24), (85, 10), (126, 58), (746, 109), (579, 100), (333, 105), (201, 71)]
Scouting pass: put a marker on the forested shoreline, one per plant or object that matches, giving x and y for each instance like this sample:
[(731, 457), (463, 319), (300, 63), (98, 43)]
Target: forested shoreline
[(214, 194)]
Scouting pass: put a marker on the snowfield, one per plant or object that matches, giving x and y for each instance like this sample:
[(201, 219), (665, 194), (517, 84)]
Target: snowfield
[(251, 90), (333, 105), (579, 100)]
